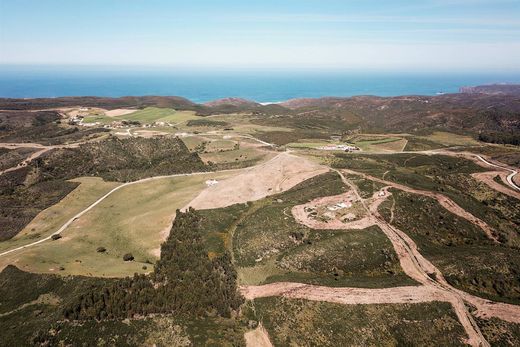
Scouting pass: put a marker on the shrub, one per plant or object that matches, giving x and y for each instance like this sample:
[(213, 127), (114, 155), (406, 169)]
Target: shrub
[(55, 237), (101, 249), (128, 257)]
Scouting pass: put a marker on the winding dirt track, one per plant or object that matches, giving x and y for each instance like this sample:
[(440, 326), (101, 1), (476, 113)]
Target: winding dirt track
[(444, 201), (488, 178), (433, 285), (484, 162)]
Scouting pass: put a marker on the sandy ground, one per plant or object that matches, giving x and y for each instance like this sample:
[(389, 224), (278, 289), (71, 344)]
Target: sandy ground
[(149, 133), (487, 178), (274, 176), (303, 217), (119, 112), (258, 338), (345, 295)]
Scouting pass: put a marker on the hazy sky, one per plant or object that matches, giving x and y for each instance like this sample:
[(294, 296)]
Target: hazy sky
[(357, 34)]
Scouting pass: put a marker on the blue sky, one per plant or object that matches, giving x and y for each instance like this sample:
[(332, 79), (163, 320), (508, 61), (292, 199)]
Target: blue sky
[(424, 35)]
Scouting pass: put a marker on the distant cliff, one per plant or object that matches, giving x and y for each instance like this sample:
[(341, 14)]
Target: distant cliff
[(493, 89)]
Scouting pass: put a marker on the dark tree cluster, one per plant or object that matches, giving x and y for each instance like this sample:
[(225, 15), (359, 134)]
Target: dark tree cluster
[(504, 138), (185, 282)]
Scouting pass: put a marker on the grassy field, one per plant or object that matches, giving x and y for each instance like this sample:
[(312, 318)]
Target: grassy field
[(450, 139), (242, 157), (367, 143), (438, 140), (98, 118), (223, 152), (133, 220), (376, 143), (292, 322), (155, 114), (52, 218)]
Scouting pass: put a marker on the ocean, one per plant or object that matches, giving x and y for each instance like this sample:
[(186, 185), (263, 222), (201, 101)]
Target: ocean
[(205, 85)]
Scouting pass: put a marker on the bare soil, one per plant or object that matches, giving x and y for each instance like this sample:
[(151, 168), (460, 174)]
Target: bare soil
[(488, 178), (258, 338), (274, 176), (119, 112)]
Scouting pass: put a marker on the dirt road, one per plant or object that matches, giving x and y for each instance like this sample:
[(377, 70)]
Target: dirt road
[(488, 178), (284, 171), (444, 201), (510, 177), (71, 220), (35, 155), (257, 338), (433, 285)]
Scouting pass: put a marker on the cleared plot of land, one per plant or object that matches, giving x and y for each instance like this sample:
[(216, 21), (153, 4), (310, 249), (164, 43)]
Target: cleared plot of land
[(135, 219), (120, 112), (314, 144), (98, 118), (226, 151), (358, 258), (276, 175), (306, 323)]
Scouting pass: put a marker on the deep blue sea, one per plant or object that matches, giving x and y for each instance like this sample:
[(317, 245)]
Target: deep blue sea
[(205, 85)]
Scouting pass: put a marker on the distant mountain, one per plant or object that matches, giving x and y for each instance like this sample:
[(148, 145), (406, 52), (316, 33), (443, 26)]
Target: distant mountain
[(93, 101), (469, 113), (495, 110), (238, 102), (493, 89)]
